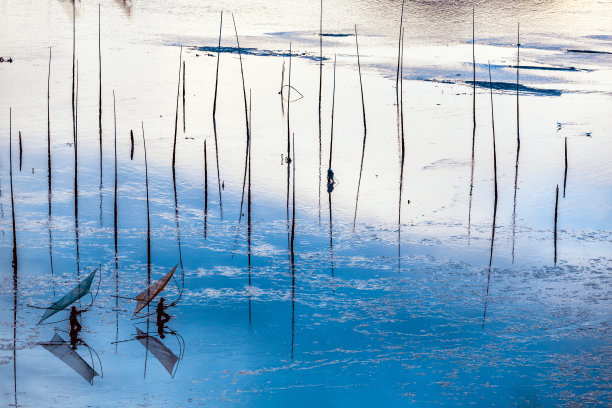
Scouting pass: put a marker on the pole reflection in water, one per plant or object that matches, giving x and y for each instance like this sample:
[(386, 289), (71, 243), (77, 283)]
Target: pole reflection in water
[(115, 230), (484, 315), (14, 262), (49, 174), (214, 116), (76, 173), (518, 141), (330, 175), (249, 225), (293, 255), (473, 127)]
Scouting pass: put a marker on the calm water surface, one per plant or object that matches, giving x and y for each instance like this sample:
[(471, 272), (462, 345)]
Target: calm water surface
[(364, 316)]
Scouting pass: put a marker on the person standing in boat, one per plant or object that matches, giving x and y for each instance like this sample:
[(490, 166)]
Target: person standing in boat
[(162, 318)]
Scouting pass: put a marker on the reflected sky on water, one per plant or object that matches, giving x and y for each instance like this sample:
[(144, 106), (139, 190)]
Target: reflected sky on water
[(373, 330)]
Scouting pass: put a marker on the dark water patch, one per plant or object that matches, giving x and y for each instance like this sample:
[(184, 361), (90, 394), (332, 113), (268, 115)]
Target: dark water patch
[(500, 86), (600, 37), (292, 33), (335, 35), (590, 52), (258, 52), (546, 68), (509, 86)]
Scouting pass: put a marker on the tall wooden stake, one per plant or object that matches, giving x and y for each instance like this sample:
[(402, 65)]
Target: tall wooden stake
[(473, 128), (178, 93), (365, 130), (518, 141), (49, 164), (183, 96), (484, 316), (320, 91), (214, 116), (100, 103)]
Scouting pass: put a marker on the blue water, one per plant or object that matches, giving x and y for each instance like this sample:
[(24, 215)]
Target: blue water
[(364, 316)]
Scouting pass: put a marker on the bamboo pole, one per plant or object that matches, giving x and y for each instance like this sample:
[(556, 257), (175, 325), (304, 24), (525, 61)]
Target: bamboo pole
[(100, 101), (494, 203), (115, 230), (473, 128), (365, 130), (49, 164), (20, 151), (288, 159), (518, 141), (14, 262), (76, 171), (246, 117), (183, 96), (249, 220), (144, 145), (330, 177), (215, 118), (178, 93), (320, 91), (402, 154)]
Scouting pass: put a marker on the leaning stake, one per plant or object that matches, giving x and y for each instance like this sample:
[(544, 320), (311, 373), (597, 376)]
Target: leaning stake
[(365, 130), (246, 118), (215, 119), (484, 315), (178, 93), (320, 89), (473, 128)]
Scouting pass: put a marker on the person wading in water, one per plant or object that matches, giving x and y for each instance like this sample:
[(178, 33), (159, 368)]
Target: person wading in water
[(162, 318)]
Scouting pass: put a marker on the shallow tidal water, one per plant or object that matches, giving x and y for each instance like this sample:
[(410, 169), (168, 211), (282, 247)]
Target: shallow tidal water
[(375, 314)]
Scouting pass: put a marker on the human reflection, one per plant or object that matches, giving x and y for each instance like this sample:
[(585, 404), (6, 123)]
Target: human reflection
[(74, 322), (75, 339), (331, 182), (162, 318), (75, 327)]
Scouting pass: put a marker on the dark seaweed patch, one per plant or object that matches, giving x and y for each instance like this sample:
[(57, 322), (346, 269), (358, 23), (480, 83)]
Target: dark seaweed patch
[(570, 69), (335, 35), (590, 51), (257, 52), (509, 86)]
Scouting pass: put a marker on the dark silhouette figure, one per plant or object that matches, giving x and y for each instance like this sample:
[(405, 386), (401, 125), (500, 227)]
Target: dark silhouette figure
[(74, 323), (75, 339), (331, 182), (162, 318)]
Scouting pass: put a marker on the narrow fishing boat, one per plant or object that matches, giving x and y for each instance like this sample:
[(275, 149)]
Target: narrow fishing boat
[(69, 298), (61, 349)]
